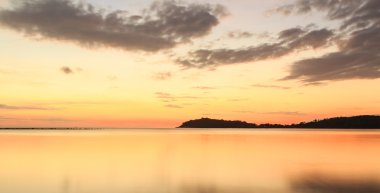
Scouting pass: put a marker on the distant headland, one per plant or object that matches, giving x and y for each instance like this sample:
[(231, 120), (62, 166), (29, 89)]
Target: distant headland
[(355, 122)]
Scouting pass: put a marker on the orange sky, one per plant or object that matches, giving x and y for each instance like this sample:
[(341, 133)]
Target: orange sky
[(247, 60)]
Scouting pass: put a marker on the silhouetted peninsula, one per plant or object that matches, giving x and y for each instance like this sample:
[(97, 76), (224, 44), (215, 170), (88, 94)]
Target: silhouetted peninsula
[(356, 122)]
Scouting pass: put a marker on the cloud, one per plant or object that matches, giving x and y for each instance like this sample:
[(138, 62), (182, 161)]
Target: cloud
[(357, 57), (204, 87), (166, 97), (287, 42), (291, 33), (49, 119), (162, 76), (288, 113), (237, 100), (173, 106), (211, 114), (56, 120), (6, 118), (161, 26), (67, 70), (240, 34), (170, 100), (271, 86), (10, 107), (75, 103), (337, 9), (244, 112)]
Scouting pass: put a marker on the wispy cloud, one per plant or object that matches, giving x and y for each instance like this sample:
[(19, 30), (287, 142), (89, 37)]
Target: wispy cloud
[(48, 119), (6, 118), (166, 97), (173, 106), (205, 87), (54, 120), (211, 114), (163, 25), (271, 86), (75, 103), (244, 112), (11, 107), (237, 100), (359, 35), (162, 76), (288, 41), (288, 113)]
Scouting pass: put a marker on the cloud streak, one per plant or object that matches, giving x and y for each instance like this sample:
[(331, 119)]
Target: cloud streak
[(287, 113), (271, 86), (162, 76), (288, 41), (166, 97), (10, 107), (161, 26), (357, 57)]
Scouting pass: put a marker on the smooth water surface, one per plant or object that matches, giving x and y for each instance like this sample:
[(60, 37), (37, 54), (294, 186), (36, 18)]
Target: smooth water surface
[(189, 161)]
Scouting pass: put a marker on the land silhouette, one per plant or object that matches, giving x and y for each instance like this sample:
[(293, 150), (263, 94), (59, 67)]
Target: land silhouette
[(355, 122)]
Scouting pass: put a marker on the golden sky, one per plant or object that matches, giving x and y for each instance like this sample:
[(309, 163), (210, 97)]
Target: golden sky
[(158, 63)]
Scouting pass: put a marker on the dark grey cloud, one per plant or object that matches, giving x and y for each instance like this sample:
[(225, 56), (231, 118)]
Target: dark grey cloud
[(292, 33), (11, 107), (358, 56), (288, 41), (337, 9), (271, 86), (163, 25)]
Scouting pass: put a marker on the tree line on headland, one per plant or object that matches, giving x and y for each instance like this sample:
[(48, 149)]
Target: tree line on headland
[(355, 122)]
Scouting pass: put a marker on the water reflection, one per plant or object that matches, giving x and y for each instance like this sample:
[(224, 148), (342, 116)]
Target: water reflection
[(318, 183), (188, 162)]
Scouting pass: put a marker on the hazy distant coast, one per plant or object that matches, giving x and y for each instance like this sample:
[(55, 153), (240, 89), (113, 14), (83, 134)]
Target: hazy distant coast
[(355, 122)]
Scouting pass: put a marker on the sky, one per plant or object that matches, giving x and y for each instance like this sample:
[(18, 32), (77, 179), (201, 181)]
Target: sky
[(158, 63)]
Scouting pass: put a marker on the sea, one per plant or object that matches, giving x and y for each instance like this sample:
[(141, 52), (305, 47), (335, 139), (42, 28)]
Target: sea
[(190, 161)]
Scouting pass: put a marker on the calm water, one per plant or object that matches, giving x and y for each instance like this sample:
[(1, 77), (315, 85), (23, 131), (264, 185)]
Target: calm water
[(190, 161)]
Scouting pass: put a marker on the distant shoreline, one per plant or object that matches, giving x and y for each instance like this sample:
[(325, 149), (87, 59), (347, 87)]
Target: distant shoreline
[(363, 122), (355, 122)]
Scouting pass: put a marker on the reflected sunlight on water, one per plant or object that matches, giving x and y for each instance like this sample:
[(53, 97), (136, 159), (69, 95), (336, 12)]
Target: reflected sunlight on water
[(189, 161)]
